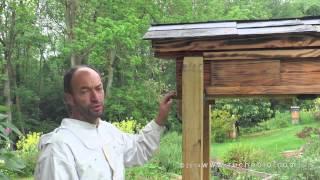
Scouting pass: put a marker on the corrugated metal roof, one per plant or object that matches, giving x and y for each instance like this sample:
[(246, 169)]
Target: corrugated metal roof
[(234, 28)]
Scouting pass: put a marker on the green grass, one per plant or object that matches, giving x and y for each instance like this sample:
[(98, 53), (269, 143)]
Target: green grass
[(273, 141)]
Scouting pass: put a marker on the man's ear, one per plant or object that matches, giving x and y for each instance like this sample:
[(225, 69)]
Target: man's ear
[(68, 99)]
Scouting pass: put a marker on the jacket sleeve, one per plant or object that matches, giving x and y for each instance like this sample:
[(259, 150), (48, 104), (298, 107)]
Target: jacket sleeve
[(139, 148), (55, 163)]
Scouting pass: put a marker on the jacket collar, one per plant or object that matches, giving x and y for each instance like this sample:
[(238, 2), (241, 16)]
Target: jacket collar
[(86, 132)]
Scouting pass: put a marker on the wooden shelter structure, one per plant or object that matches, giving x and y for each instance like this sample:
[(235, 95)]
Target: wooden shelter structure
[(235, 58)]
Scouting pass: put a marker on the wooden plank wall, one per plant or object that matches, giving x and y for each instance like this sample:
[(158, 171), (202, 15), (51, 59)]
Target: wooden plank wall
[(245, 73), (263, 77)]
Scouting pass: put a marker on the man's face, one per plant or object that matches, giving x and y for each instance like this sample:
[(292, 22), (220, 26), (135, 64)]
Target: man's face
[(87, 98)]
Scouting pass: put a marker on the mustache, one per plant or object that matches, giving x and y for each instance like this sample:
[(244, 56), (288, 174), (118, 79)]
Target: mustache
[(96, 104)]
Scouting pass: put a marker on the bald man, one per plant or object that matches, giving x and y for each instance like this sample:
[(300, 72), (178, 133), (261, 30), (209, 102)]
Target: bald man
[(84, 147)]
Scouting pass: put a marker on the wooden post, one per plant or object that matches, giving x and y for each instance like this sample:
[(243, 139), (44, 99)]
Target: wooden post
[(206, 140), (192, 118)]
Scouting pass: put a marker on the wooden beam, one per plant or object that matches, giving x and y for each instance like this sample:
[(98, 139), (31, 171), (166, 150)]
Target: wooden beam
[(206, 140), (304, 78), (263, 54), (192, 118), (299, 72), (300, 66), (215, 97), (263, 90), (179, 65), (174, 47)]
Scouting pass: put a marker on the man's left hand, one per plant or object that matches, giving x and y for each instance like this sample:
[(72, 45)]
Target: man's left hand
[(164, 108)]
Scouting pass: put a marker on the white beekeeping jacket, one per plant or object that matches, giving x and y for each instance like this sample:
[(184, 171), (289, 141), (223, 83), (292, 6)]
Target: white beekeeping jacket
[(79, 150)]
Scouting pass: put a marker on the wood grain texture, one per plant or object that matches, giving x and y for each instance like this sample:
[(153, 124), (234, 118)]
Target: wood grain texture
[(300, 66), (206, 139), (300, 78), (245, 73), (207, 73), (174, 55), (263, 90), (300, 72), (192, 118), (263, 54), (179, 65), (173, 48)]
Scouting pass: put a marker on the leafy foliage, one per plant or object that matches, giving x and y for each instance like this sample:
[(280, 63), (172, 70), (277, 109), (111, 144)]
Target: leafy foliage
[(221, 123), (107, 34), (245, 156), (27, 150), (249, 111), (166, 164), (9, 162), (128, 125)]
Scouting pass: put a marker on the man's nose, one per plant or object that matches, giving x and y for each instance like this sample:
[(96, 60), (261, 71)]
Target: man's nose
[(94, 96)]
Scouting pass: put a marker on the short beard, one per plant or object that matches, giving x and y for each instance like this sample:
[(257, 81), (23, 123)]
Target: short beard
[(87, 115)]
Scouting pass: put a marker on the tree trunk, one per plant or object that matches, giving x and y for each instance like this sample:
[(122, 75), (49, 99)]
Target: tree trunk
[(112, 56), (70, 17), (8, 43), (40, 71), (7, 94), (15, 85)]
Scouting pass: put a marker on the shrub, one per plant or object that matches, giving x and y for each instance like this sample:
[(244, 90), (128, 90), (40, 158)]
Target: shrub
[(316, 116), (281, 120), (27, 149), (166, 164), (245, 156), (128, 125), (307, 117), (249, 111), (305, 167), (222, 123), (170, 154), (9, 162), (308, 132), (316, 109)]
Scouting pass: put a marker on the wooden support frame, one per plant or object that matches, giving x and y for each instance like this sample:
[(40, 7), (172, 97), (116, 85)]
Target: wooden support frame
[(196, 121), (206, 139)]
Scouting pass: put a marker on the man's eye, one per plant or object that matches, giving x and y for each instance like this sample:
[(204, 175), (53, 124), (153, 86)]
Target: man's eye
[(84, 91)]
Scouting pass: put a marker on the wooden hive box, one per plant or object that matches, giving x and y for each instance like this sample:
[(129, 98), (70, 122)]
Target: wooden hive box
[(268, 57)]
